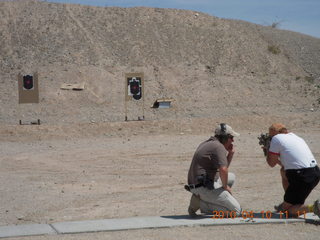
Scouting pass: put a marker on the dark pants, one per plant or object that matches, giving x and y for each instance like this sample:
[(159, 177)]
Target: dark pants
[(301, 183)]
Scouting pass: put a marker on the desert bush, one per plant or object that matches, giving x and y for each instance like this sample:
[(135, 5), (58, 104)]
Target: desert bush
[(274, 49), (275, 24), (310, 79)]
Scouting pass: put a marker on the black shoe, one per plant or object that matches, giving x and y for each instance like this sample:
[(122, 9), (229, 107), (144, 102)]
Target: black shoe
[(279, 208)]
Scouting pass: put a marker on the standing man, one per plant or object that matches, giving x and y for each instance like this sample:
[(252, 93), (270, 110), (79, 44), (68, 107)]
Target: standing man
[(209, 180), (300, 173)]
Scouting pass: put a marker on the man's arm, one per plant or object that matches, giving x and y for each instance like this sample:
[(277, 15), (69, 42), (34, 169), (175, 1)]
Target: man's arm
[(230, 154), (273, 159), (273, 152), (224, 178)]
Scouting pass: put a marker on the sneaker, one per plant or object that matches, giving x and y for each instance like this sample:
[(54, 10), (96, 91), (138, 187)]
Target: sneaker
[(192, 213), (316, 208), (278, 208)]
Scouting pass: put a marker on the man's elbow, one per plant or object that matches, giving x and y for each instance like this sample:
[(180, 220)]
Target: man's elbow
[(271, 163), (223, 169)]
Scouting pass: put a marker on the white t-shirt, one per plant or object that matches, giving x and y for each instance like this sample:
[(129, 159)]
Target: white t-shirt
[(293, 151)]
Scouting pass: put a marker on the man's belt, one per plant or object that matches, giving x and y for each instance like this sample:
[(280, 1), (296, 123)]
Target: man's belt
[(192, 186)]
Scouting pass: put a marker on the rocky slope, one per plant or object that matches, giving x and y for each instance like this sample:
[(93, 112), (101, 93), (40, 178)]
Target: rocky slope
[(210, 67)]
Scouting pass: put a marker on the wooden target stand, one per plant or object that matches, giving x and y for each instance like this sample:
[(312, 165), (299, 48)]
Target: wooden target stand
[(28, 87), (134, 97)]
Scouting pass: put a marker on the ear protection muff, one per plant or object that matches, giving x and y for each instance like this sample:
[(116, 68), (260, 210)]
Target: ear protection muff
[(223, 136), (223, 128)]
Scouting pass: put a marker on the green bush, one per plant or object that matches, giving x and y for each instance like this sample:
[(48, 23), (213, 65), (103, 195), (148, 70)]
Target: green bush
[(310, 79), (274, 49)]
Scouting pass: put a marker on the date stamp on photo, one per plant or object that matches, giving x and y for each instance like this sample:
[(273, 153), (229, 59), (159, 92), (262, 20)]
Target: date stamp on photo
[(251, 214)]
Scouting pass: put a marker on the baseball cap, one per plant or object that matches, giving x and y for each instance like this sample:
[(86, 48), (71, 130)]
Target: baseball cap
[(227, 131)]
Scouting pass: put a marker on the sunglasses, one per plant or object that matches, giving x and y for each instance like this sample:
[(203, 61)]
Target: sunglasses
[(230, 136)]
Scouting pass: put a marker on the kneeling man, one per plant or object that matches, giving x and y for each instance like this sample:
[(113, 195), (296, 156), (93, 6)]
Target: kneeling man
[(209, 180)]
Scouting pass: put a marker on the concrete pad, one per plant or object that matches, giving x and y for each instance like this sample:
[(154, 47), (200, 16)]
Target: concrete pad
[(26, 230), (168, 221), (147, 222)]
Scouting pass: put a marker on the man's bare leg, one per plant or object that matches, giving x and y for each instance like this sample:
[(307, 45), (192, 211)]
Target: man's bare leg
[(285, 183)]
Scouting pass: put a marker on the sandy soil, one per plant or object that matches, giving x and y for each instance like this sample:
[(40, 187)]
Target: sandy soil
[(133, 173)]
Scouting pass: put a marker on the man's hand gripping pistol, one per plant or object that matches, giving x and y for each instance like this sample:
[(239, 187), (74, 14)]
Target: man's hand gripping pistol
[(264, 141)]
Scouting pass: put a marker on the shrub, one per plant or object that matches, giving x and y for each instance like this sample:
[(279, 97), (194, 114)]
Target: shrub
[(310, 79), (274, 49), (275, 24)]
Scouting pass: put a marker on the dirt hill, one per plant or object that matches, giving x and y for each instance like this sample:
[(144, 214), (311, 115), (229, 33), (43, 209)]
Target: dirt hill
[(210, 67)]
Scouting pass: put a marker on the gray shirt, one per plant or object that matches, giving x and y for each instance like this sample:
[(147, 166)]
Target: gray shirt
[(207, 159)]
